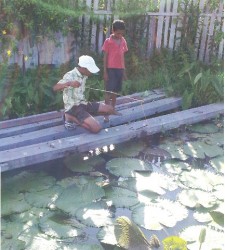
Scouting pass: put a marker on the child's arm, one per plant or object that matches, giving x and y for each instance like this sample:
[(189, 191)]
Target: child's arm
[(62, 86)]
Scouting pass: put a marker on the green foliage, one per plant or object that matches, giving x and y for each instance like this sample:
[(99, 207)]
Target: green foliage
[(174, 243), (202, 237), (129, 235), (30, 93)]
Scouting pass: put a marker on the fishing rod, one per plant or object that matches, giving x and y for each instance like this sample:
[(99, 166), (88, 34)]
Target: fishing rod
[(111, 92)]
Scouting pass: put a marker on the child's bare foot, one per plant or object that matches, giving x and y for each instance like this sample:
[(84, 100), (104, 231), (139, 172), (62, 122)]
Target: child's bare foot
[(116, 112)]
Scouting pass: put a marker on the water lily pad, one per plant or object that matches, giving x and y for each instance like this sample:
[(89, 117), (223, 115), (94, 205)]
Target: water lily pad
[(30, 217), (126, 167), (12, 243), (121, 197), (215, 139), (213, 240), (85, 246), (153, 154), (75, 196), (95, 214), (219, 192), (78, 163), (195, 198), (199, 149), (11, 231), (13, 202), (28, 181), (175, 166), (33, 242), (204, 128), (202, 217), (80, 180), (58, 226), (200, 179), (218, 164), (107, 235), (44, 198), (162, 212), (128, 149), (153, 182), (174, 149)]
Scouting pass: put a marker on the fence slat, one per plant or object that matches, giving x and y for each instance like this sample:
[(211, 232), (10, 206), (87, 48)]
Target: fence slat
[(219, 19), (160, 26), (167, 22), (204, 38), (209, 38), (173, 25)]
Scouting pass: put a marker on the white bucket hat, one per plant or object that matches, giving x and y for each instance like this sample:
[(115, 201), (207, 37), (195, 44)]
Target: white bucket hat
[(88, 63)]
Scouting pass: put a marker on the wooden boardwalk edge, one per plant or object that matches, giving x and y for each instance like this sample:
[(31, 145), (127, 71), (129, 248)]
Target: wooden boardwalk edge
[(41, 152), (150, 95), (57, 132)]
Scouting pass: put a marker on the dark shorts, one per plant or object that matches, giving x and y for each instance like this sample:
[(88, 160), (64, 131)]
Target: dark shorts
[(83, 111), (114, 83)]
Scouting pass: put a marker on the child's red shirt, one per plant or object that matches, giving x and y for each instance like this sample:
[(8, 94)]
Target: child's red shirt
[(115, 52)]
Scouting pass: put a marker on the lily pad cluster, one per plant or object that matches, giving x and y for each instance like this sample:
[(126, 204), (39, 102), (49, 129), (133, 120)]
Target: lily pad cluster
[(157, 194)]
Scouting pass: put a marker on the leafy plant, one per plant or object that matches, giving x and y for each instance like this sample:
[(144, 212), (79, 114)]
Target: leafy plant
[(174, 243)]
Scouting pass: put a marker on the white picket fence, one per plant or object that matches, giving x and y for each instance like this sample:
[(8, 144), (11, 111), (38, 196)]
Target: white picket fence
[(160, 32)]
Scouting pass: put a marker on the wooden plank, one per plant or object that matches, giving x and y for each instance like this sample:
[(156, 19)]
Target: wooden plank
[(32, 125), (24, 156), (58, 132), (58, 114)]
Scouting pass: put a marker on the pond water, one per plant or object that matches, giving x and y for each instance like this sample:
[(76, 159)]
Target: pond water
[(168, 184)]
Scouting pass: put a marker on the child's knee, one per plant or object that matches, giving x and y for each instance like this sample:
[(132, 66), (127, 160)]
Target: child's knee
[(96, 129)]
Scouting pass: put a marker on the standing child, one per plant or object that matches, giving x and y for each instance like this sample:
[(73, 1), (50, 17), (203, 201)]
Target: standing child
[(114, 48)]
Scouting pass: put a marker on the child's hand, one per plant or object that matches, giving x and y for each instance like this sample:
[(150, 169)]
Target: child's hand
[(74, 84)]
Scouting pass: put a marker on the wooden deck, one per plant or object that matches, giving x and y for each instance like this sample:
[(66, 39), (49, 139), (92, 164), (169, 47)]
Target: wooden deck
[(40, 138)]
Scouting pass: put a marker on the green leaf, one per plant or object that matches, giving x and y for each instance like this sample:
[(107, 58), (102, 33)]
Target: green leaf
[(174, 243), (197, 78), (58, 226), (214, 239), (194, 198), (202, 235), (95, 214), (129, 235), (187, 99), (127, 167), (154, 215), (200, 179), (74, 197), (218, 217), (120, 197)]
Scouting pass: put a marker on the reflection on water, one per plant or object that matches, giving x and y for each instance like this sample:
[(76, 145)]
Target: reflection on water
[(168, 155)]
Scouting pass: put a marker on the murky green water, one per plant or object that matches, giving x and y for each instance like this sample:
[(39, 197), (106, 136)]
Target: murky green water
[(170, 184)]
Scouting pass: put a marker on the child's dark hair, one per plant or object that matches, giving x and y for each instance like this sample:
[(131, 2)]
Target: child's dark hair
[(118, 25)]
